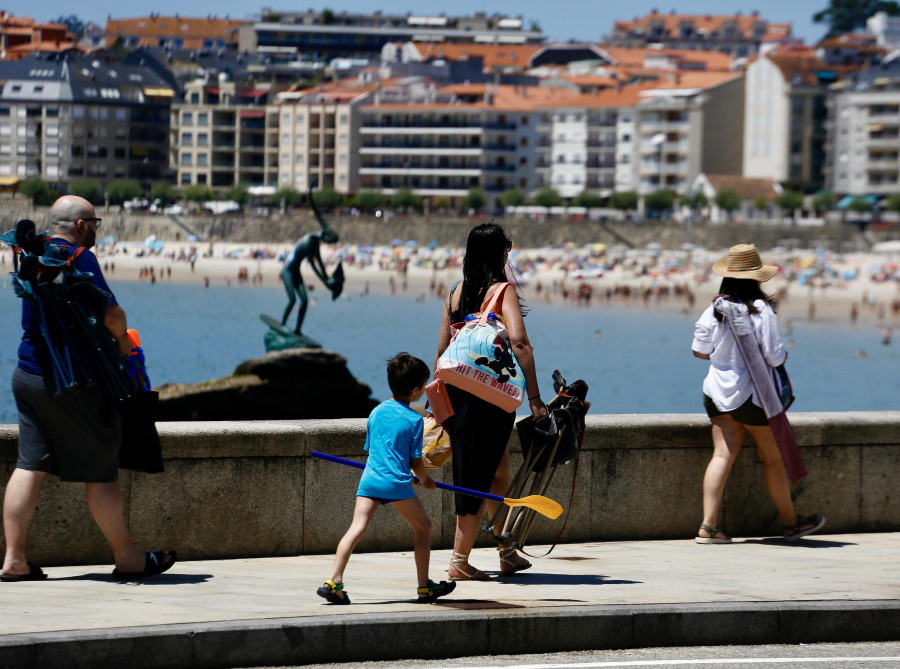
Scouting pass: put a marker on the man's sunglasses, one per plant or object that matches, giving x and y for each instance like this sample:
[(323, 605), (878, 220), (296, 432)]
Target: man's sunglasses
[(94, 220)]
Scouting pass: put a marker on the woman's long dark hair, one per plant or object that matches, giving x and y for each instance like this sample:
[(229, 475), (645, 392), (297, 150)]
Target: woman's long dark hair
[(746, 291), (483, 266)]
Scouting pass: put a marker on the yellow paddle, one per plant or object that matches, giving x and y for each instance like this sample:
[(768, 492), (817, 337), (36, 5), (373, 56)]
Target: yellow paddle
[(543, 505)]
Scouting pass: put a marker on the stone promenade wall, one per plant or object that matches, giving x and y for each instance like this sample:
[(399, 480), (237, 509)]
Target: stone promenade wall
[(242, 489)]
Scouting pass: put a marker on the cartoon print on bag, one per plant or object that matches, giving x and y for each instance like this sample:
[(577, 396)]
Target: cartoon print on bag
[(503, 363)]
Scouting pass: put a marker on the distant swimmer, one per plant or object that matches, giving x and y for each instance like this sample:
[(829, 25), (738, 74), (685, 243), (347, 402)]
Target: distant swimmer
[(886, 336), (860, 354)]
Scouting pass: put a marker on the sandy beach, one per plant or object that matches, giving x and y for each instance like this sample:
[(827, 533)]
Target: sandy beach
[(822, 287)]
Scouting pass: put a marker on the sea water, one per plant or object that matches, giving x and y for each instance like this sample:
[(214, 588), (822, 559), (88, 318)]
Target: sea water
[(635, 359)]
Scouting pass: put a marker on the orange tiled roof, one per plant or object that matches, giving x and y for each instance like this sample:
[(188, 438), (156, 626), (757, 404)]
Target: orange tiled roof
[(672, 22), (804, 70), (635, 56), (702, 80), (748, 188), (494, 55), (154, 27)]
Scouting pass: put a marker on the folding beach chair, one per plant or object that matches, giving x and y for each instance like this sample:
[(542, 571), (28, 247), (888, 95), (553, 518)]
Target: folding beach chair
[(546, 445)]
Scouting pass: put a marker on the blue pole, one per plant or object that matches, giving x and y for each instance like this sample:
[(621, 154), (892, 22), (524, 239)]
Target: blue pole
[(443, 486)]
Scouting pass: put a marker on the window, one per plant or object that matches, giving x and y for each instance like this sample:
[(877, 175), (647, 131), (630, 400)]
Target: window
[(285, 178), (342, 140), (285, 158), (299, 118), (5, 169), (4, 110), (299, 160), (187, 118), (625, 159), (121, 114), (187, 159), (5, 130), (286, 117), (626, 137), (299, 139), (6, 148), (187, 139), (195, 98), (285, 138), (52, 131), (203, 118), (202, 139), (561, 160), (52, 112), (53, 149), (185, 178), (201, 178), (77, 111), (52, 171), (202, 160), (119, 153)]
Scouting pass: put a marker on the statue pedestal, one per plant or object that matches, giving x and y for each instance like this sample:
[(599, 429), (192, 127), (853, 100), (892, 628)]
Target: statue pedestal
[(279, 338)]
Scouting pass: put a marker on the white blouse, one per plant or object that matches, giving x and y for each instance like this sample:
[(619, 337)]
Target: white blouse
[(728, 383)]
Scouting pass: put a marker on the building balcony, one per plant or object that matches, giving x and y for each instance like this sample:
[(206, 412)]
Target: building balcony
[(404, 131), (420, 151), (883, 166)]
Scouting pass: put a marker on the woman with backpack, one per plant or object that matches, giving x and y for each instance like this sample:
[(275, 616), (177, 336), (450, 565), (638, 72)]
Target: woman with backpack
[(479, 430)]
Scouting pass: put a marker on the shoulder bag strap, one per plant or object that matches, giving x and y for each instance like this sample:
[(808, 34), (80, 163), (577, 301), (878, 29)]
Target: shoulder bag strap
[(495, 299)]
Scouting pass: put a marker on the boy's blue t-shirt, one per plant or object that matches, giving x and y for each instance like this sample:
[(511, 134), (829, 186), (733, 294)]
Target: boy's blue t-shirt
[(393, 439), (34, 357)]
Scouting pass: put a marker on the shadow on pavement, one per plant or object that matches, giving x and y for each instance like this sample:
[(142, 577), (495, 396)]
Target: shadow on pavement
[(160, 579), (533, 578), (806, 542)]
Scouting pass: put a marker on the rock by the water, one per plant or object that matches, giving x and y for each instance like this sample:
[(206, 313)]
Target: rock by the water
[(293, 383)]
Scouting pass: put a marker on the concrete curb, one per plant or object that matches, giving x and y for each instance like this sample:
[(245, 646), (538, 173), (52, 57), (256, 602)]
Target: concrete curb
[(437, 633)]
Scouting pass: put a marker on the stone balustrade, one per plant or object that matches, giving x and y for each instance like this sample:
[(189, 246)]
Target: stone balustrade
[(247, 489)]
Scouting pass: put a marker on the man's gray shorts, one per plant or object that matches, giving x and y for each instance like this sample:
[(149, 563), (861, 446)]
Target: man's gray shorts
[(75, 435)]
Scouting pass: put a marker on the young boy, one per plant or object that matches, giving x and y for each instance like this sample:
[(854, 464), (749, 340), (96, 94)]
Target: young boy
[(394, 444)]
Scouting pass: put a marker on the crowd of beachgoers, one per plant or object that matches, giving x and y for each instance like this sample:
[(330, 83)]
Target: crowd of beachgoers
[(813, 284)]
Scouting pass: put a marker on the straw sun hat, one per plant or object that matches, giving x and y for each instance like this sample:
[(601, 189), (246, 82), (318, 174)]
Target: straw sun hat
[(743, 262)]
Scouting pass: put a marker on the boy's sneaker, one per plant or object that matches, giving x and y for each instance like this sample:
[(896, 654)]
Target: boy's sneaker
[(804, 525)]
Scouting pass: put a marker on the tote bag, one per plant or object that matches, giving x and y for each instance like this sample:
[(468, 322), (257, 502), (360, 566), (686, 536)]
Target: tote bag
[(480, 360)]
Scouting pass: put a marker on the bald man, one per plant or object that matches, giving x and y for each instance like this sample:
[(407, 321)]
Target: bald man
[(75, 435)]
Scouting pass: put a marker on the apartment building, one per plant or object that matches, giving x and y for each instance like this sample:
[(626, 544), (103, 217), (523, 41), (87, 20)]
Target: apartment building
[(219, 136), (442, 141), (315, 132), (784, 118), (690, 123), (740, 35), (177, 32), (68, 118), (327, 35), (588, 141), (21, 36), (863, 147)]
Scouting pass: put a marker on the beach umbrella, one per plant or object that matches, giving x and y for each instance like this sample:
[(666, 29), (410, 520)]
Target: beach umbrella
[(412, 243), (109, 239), (149, 241), (433, 244), (396, 241), (193, 238), (598, 248)]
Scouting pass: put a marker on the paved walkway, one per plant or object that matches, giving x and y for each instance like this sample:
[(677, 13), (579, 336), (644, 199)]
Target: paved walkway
[(588, 595)]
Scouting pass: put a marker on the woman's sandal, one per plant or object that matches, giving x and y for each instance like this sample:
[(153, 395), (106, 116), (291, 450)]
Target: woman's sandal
[(505, 553), (330, 592), (154, 563), (712, 538), (470, 574), (434, 590), (802, 526)]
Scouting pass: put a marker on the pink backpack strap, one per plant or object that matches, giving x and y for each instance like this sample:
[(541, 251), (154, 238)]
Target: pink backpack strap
[(495, 299)]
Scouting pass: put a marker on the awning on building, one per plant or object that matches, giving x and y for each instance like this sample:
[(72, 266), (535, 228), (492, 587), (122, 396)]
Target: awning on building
[(252, 113), (846, 200), (159, 92), (9, 181)]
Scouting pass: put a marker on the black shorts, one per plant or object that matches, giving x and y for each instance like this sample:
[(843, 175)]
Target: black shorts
[(75, 435), (746, 414)]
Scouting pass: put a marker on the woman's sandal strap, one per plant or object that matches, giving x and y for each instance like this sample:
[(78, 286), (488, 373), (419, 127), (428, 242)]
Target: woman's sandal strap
[(713, 531), (335, 587)]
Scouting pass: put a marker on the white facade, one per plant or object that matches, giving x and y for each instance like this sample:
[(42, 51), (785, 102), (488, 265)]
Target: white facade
[(766, 121)]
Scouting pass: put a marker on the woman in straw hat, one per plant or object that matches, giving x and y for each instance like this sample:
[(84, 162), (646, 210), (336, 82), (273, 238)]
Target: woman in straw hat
[(729, 396)]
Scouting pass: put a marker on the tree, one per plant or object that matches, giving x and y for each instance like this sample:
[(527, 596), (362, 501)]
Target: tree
[(695, 200), (789, 200), (404, 198), (624, 200), (893, 203), (588, 199), (327, 17), (547, 197), (761, 203), (162, 190), (728, 200), (35, 188), (123, 189), (367, 200), (72, 23), (823, 201), (238, 194), (327, 198), (659, 201), (198, 193), (89, 189), (860, 204), (512, 198), (845, 16), (441, 203), (288, 196), (475, 199)]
